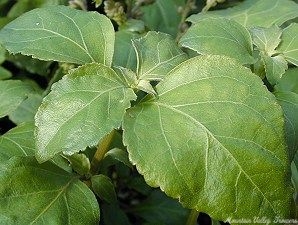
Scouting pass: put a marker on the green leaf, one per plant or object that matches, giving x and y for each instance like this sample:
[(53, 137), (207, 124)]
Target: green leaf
[(162, 16), (32, 193), (119, 155), (253, 13), (123, 46), (208, 36), (160, 209), (104, 188), (4, 73), (26, 111), (275, 67), (23, 6), (227, 134), (18, 141), (289, 81), (112, 215), (81, 109), (289, 44), (289, 103), (79, 163), (12, 94), (62, 34), (266, 39), (30, 64), (157, 53)]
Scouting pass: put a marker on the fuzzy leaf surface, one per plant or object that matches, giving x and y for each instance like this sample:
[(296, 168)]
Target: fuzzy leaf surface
[(266, 39), (12, 94), (62, 34), (252, 13), (157, 53), (275, 67), (289, 45), (208, 36), (80, 109), (33, 193), (180, 140)]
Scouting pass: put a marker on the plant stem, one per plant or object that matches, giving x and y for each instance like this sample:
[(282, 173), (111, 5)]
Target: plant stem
[(192, 218), (102, 149)]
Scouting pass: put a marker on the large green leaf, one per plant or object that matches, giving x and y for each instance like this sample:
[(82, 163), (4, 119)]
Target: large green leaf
[(81, 108), (32, 193), (162, 16), (17, 142), (252, 13), (12, 94), (289, 103), (62, 34), (208, 36), (157, 53), (213, 137), (289, 45)]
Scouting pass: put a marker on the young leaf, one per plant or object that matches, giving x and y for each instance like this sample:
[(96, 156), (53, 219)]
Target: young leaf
[(17, 142), (253, 13), (104, 188), (81, 108), (117, 154), (288, 82), (79, 163), (275, 67), (208, 36), (12, 94), (62, 34), (289, 45), (207, 147), (32, 193), (123, 45), (162, 16), (157, 53), (266, 39)]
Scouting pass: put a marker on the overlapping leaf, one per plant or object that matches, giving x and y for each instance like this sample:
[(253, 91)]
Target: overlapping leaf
[(81, 108), (289, 45), (157, 53), (32, 193), (220, 36), (62, 34), (266, 39), (202, 141), (12, 94), (252, 13), (163, 16), (17, 142)]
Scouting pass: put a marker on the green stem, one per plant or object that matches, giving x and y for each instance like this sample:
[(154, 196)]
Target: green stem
[(192, 218), (102, 149)]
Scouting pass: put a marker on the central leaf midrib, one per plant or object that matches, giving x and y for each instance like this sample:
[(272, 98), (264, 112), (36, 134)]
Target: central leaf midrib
[(209, 132)]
